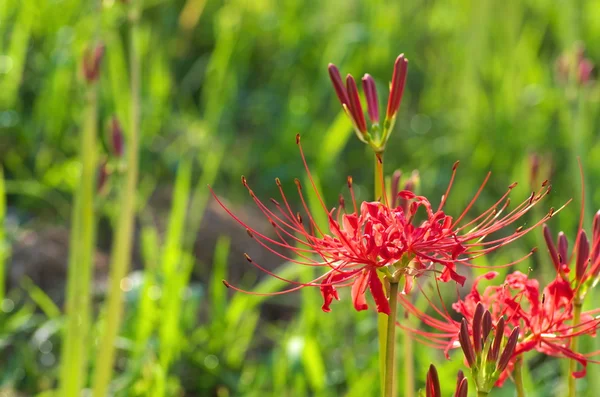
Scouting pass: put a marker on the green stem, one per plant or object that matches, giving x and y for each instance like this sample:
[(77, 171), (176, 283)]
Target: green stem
[(390, 356), (482, 393), (519, 376), (381, 318), (573, 348), (3, 243), (82, 247), (124, 232), (409, 370)]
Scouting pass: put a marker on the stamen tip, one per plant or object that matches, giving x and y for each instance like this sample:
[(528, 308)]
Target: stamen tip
[(455, 166), (226, 283), (297, 139), (247, 257)]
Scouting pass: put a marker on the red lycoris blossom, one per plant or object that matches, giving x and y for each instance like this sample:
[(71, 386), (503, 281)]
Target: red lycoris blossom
[(374, 235), (584, 259), (545, 320)]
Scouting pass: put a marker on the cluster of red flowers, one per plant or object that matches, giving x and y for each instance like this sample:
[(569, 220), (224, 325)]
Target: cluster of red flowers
[(545, 319), (406, 237)]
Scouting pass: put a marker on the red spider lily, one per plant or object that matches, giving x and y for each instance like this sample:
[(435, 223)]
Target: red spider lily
[(350, 100), (544, 319), (375, 236), (584, 258), (432, 384)]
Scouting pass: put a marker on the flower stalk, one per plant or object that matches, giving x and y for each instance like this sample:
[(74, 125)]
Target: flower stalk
[(382, 319), (518, 372), (123, 242), (571, 380), (82, 242), (390, 351)]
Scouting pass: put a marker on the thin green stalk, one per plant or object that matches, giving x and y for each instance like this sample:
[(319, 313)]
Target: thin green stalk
[(390, 354), (82, 247), (124, 232), (482, 394), (573, 348), (3, 245), (409, 366), (381, 318), (519, 376)]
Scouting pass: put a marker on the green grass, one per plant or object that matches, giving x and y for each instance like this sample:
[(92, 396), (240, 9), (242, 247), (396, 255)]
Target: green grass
[(224, 88)]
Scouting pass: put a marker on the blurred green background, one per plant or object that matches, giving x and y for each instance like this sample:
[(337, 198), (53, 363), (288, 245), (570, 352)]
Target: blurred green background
[(225, 87)]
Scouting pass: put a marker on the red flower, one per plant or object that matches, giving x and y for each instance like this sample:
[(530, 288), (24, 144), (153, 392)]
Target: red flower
[(376, 237), (544, 319)]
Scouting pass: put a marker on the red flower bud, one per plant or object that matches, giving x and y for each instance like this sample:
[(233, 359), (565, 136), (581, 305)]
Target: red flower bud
[(371, 94), (433, 383), (338, 84), (509, 349), (495, 349), (116, 134), (477, 319), (465, 343), (355, 107), (563, 248), (102, 177), (91, 63), (551, 247), (397, 86), (462, 390), (583, 255), (486, 326)]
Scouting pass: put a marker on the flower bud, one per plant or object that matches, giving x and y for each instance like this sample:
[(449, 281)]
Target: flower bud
[(486, 326), (116, 134), (495, 349), (477, 319), (397, 86), (433, 383), (462, 390), (465, 343), (91, 63), (551, 247), (509, 349), (371, 94), (338, 84), (563, 249), (102, 177), (355, 107), (583, 255)]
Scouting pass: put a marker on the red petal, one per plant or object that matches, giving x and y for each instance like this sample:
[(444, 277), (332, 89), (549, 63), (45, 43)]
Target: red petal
[(383, 306), (449, 274), (358, 291)]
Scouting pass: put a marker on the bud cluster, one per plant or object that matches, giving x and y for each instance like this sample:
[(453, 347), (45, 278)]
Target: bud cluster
[(377, 135), (485, 352)]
